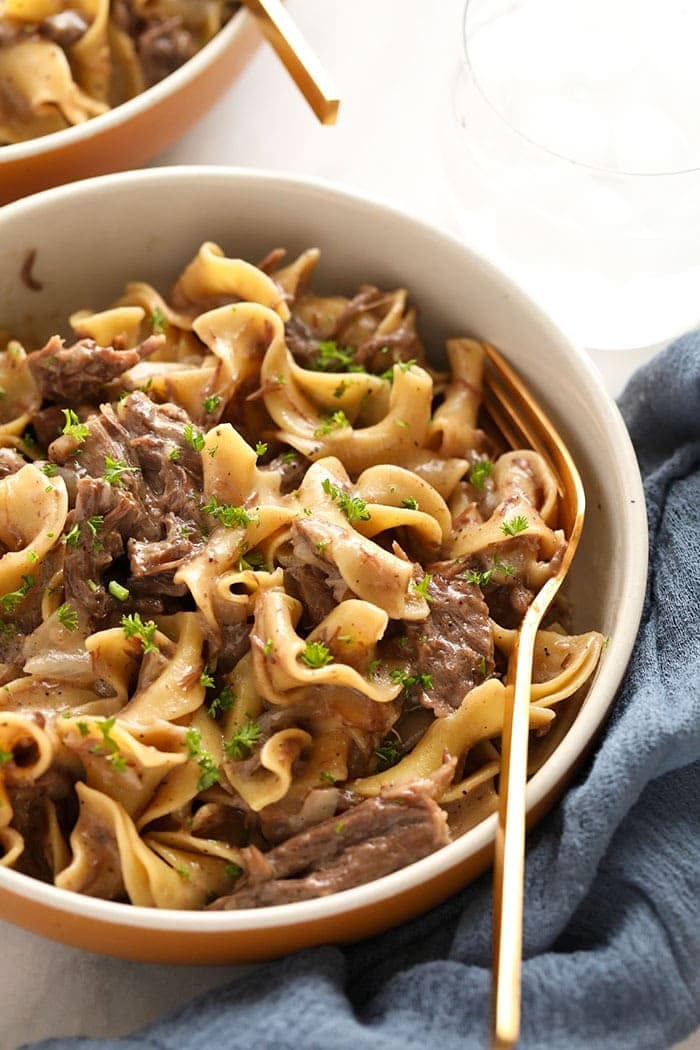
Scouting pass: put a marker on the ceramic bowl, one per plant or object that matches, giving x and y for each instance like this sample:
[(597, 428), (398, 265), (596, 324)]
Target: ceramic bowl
[(131, 134), (145, 226)]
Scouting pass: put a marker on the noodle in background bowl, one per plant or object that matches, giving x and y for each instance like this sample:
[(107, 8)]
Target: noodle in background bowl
[(137, 130), (145, 226)]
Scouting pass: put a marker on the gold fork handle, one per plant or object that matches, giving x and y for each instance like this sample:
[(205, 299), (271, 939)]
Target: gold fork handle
[(509, 858), (297, 57)]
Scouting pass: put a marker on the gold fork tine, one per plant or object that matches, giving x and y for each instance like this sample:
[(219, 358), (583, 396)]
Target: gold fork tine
[(519, 418)]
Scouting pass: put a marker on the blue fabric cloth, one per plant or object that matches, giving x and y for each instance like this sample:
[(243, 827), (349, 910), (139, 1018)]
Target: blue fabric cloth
[(612, 929)]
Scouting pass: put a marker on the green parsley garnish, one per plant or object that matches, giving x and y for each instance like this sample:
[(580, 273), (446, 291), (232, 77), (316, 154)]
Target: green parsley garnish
[(223, 702), (114, 468), (209, 771), (373, 667), (483, 578), (10, 601), (480, 472), (206, 678), (94, 524), (5, 756), (50, 469), (340, 827), (333, 358), (515, 525), (421, 588), (229, 516), (316, 654), (387, 754), (243, 740), (403, 365), (194, 437), (117, 591), (410, 503), (289, 457), (73, 536), (268, 647), (261, 448), (328, 777), (158, 321), (252, 560), (232, 870), (401, 423), (210, 404), (134, 627), (482, 666), (354, 508), (83, 728), (402, 677), (67, 617), (333, 421), (109, 747), (73, 427), (183, 872), (174, 454), (340, 389)]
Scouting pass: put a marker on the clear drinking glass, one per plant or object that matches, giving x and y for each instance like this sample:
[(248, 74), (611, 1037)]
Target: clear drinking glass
[(574, 159)]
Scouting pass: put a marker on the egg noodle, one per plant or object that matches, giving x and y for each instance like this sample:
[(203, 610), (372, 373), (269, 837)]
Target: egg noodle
[(63, 61), (262, 569)]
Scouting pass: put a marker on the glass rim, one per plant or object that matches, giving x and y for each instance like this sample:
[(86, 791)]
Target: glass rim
[(599, 168)]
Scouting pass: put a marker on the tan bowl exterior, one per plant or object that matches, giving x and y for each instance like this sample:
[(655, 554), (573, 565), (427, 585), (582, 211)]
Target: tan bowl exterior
[(132, 134), (168, 212)]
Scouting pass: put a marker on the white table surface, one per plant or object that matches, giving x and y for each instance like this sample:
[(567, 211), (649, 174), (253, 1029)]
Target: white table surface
[(392, 60)]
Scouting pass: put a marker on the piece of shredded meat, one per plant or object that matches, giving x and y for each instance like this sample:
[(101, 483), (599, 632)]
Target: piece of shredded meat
[(79, 373), (377, 836), (454, 645)]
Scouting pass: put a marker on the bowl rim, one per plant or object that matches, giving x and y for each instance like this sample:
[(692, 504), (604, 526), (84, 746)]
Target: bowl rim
[(609, 674), (125, 111)]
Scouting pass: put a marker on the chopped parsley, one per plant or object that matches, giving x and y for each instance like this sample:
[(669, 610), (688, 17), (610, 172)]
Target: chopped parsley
[(10, 601), (333, 358), (5, 756), (252, 560), (233, 870), (402, 677), (230, 517), (109, 746), (174, 454), (480, 472), (206, 678), (387, 754), (421, 588), (261, 448), (73, 427), (134, 627), (194, 437), (210, 404), (340, 389), (50, 469), (354, 508), (401, 423), (73, 536), (403, 365), (328, 777), (83, 728), (94, 524), (114, 468), (316, 654), (243, 740), (183, 872), (333, 421), (514, 525), (289, 457), (268, 647), (209, 771), (223, 702), (373, 667), (410, 503), (482, 578), (158, 321), (67, 617), (117, 591)]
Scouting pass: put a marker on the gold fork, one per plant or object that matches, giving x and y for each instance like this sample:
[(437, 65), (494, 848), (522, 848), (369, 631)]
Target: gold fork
[(524, 425)]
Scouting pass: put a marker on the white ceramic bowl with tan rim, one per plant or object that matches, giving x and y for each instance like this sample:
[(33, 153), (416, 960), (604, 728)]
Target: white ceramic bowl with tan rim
[(145, 226), (136, 131)]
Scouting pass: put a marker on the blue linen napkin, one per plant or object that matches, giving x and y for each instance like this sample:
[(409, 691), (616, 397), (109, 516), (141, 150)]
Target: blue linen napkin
[(612, 922)]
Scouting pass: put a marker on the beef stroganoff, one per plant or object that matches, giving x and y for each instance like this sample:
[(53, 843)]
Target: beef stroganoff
[(64, 61), (261, 572)]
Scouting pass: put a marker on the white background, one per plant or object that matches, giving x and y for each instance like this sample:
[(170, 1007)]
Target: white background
[(393, 60)]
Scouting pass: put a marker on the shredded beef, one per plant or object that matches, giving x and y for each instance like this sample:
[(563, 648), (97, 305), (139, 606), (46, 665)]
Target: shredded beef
[(65, 27), (163, 47), (455, 644), (10, 462), (80, 372), (48, 424), (114, 514), (308, 585), (376, 837)]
